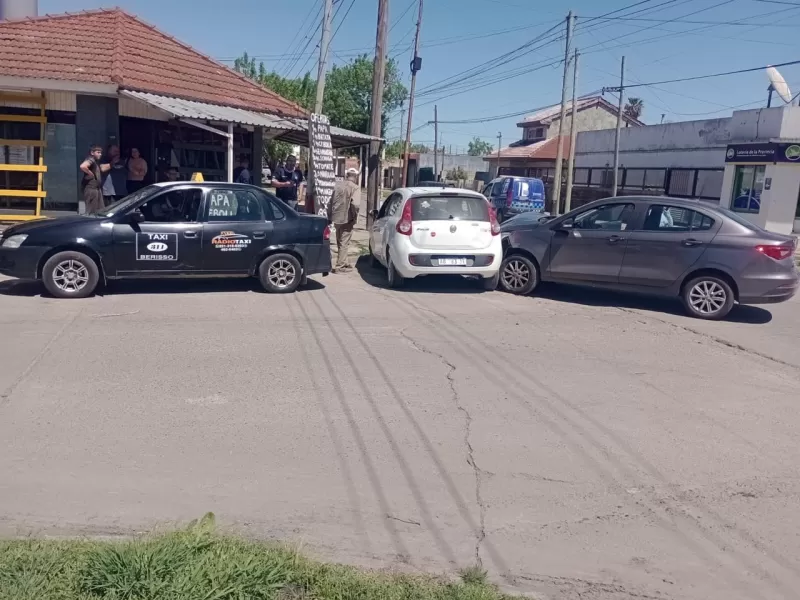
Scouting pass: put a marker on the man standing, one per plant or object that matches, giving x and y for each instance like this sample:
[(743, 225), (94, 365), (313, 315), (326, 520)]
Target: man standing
[(344, 213), (241, 174), (115, 182), (287, 180), (92, 180)]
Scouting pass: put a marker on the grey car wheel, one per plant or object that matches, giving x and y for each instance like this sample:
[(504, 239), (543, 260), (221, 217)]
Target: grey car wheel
[(708, 298), (518, 275), (280, 273), (70, 275)]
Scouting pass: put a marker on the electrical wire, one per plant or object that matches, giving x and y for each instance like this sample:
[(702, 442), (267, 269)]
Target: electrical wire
[(319, 26), (291, 63), (299, 33), (709, 76)]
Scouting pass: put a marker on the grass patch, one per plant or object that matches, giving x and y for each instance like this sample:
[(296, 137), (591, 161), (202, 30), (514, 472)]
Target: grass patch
[(197, 563)]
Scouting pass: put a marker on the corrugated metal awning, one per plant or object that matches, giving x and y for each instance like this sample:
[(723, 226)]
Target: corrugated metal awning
[(190, 109), (291, 130)]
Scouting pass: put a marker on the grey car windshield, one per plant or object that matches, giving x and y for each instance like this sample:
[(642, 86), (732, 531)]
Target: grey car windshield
[(449, 208), (127, 201)]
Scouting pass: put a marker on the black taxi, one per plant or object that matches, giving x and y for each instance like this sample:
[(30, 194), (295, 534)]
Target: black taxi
[(171, 229)]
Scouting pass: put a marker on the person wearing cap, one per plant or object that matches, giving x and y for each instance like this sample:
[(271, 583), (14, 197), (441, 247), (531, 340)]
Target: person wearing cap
[(345, 203), (287, 180)]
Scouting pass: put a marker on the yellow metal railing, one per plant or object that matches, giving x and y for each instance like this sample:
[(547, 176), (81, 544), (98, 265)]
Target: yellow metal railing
[(40, 169)]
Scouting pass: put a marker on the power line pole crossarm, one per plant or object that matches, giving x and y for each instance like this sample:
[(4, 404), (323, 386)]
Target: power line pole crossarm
[(560, 152), (376, 112), (619, 127), (573, 134), (324, 45), (416, 65)]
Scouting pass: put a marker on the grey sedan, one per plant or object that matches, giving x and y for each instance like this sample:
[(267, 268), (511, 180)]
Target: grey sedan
[(708, 256)]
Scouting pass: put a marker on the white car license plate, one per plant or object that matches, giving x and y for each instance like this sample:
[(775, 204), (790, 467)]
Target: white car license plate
[(452, 262)]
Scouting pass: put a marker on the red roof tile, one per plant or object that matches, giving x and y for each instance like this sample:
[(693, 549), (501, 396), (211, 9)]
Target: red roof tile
[(114, 47), (543, 150)]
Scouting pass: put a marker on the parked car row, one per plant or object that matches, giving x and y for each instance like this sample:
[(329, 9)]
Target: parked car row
[(709, 257), (706, 255)]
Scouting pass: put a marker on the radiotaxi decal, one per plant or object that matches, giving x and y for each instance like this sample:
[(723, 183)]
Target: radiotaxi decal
[(230, 241), (157, 246)]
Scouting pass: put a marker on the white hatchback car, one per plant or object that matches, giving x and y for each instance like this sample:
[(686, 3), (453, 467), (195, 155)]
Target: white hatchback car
[(436, 231)]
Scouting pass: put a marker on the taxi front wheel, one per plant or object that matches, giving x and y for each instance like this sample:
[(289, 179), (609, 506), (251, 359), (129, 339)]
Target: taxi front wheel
[(70, 275), (280, 273)]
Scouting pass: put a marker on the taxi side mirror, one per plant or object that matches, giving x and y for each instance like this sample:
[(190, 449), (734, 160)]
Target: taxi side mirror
[(136, 216), (374, 213)]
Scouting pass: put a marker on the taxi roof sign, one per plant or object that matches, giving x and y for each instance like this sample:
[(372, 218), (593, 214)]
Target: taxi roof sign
[(197, 177)]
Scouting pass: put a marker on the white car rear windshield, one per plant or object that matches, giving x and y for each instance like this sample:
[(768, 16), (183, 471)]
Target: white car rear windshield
[(449, 208)]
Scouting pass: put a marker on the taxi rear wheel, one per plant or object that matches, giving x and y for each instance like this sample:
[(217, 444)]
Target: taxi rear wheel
[(70, 274), (280, 273)]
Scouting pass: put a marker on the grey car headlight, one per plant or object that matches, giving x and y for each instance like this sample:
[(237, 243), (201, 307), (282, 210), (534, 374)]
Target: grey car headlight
[(14, 241)]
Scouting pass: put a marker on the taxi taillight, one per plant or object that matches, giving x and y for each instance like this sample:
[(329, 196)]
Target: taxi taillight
[(326, 235)]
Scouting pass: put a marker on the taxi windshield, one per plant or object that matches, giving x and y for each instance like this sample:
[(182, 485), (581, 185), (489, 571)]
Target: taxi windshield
[(128, 201)]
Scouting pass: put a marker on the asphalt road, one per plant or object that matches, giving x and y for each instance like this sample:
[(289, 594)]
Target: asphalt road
[(576, 444)]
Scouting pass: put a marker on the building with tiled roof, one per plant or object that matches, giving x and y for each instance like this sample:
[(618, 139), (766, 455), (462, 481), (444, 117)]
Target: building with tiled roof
[(534, 155), (115, 48), (106, 77)]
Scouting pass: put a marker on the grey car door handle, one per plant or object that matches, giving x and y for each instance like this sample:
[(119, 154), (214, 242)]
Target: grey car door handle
[(190, 234), (614, 239), (259, 235), (692, 242)]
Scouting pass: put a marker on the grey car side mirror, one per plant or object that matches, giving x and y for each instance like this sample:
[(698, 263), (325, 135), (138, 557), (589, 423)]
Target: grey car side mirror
[(136, 216)]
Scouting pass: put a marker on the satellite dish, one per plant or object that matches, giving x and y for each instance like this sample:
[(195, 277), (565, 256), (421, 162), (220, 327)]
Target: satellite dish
[(778, 85)]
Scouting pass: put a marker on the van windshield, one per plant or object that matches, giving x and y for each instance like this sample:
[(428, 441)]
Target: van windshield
[(449, 208)]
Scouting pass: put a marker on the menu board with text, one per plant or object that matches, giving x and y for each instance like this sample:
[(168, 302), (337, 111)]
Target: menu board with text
[(322, 176)]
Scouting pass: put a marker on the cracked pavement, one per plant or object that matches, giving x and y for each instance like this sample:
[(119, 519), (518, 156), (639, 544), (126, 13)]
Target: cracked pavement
[(575, 444)]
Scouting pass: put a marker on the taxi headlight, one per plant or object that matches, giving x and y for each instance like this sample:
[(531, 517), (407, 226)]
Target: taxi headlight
[(14, 241)]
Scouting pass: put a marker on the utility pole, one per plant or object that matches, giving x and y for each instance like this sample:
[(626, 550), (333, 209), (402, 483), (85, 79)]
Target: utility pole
[(573, 134), (378, 72), (619, 127), (323, 55), (416, 65), (560, 151), (435, 142), (499, 149), (402, 120)]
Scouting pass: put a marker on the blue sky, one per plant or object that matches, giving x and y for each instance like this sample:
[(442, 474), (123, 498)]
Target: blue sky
[(460, 34)]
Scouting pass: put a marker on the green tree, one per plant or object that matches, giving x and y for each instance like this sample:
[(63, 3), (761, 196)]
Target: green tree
[(348, 90), (478, 147), (634, 107), (348, 94), (394, 149)]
